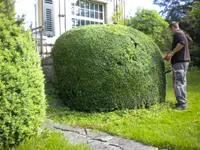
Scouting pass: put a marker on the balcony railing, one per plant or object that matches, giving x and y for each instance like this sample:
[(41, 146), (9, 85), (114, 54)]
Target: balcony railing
[(42, 47)]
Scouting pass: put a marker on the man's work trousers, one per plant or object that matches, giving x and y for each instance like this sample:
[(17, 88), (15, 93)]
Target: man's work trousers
[(179, 81)]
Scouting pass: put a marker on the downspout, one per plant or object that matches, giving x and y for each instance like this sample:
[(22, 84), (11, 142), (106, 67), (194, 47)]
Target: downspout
[(59, 18), (124, 13), (65, 12), (43, 28)]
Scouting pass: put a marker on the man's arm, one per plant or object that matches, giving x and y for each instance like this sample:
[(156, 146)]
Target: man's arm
[(176, 49)]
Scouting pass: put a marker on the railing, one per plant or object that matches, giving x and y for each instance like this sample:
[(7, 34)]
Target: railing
[(44, 49)]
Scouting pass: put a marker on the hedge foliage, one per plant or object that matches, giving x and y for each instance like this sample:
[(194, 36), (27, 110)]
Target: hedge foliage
[(157, 27), (195, 55), (108, 67), (22, 99)]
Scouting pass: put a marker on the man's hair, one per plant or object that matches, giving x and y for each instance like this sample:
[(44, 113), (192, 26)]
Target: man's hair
[(174, 24)]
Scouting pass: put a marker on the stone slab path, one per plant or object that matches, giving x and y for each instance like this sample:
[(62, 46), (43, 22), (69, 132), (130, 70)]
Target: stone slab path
[(95, 140)]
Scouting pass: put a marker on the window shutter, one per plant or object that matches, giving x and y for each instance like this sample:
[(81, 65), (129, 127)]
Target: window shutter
[(48, 18)]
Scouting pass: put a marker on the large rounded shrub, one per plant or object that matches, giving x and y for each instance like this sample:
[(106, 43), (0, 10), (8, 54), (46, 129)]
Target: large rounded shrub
[(108, 67), (22, 99)]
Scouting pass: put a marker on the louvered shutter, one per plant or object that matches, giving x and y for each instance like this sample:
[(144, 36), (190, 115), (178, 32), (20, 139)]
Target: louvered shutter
[(48, 18)]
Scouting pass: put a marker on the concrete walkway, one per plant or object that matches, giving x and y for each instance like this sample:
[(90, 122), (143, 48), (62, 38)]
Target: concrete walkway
[(95, 140)]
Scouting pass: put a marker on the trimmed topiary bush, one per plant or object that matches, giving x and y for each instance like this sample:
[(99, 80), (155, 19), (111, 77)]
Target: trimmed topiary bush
[(108, 67), (22, 99)]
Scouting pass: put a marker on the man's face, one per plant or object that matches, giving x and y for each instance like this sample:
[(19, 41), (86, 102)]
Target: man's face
[(172, 29)]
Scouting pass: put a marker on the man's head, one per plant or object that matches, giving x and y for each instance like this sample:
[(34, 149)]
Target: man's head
[(174, 26)]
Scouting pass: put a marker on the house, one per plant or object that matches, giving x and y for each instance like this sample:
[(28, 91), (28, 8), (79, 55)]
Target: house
[(50, 18)]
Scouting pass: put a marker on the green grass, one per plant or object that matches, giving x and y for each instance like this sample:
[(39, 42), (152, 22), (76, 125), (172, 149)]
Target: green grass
[(159, 126), (49, 140)]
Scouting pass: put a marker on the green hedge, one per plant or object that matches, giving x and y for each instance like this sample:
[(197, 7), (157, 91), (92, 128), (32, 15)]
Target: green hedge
[(195, 55), (22, 99), (108, 67)]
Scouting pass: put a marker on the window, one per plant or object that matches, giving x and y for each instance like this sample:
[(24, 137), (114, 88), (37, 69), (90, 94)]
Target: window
[(85, 13), (48, 18)]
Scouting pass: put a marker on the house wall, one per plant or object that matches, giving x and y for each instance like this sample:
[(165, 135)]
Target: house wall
[(63, 24), (62, 17), (27, 8)]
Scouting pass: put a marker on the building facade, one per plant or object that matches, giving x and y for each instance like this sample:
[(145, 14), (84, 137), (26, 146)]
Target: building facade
[(53, 17)]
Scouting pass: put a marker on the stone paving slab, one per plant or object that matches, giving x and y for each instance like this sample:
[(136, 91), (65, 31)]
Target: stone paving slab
[(95, 140)]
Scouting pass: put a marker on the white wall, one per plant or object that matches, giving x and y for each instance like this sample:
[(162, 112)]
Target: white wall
[(60, 27), (109, 7), (26, 7), (60, 21)]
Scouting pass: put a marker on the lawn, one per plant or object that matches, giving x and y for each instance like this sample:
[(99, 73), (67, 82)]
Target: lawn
[(159, 126), (49, 140)]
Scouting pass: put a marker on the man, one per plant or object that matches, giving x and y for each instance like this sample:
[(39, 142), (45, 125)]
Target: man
[(180, 58)]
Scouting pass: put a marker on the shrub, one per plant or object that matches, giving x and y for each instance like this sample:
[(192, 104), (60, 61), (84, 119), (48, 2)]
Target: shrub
[(22, 99), (195, 55), (157, 27), (108, 67)]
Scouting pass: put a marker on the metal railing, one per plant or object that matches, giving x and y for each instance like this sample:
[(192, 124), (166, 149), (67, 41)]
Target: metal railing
[(43, 48)]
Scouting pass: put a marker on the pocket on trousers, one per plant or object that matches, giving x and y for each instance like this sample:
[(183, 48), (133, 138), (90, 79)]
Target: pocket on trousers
[(180, 75)]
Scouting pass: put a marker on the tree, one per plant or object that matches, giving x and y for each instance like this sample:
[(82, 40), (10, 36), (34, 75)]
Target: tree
[(174, 9), (187, 12), (7, 7), (192, 21), (157, 27), (191, 24)]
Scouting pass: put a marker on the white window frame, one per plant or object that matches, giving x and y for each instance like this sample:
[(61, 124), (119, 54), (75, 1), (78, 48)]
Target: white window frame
[(79, 20)]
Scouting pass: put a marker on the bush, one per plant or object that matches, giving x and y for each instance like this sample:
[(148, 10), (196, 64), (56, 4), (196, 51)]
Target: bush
[(157, 27), (22, 99), (108, 67), (195, 55)]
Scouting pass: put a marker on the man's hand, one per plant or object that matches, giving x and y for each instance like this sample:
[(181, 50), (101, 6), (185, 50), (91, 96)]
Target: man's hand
[(169, 56)]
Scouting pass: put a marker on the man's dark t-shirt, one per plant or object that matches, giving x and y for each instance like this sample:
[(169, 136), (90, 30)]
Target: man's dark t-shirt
[(182, 55)]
